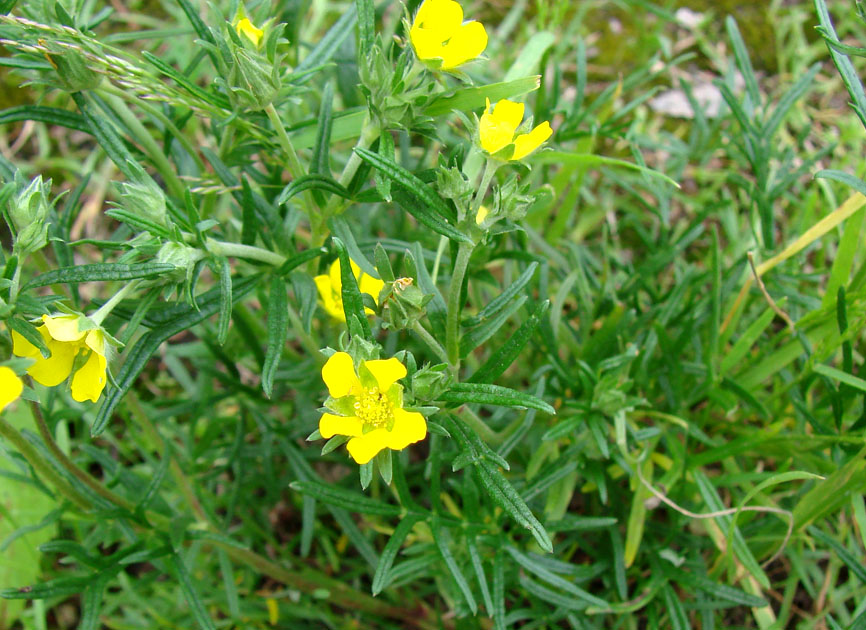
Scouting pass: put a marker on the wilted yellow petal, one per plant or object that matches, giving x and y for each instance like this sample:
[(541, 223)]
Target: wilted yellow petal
[(63, 327), (526, 143), (246, 28), (56, 368), (409, 427), (10, 386), (339, 374), (365, 447), (89, 381), (331, 425), (386, 371)]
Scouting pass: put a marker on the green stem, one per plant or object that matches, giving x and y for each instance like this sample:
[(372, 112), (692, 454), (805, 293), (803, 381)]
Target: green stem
[(295, 168), (99, 316), (306, 340), (452, 323), (487, 434), (148, 144), (41, 466), (431, 342), (70, 466), (108, 88), (489, 171), (238, 250)]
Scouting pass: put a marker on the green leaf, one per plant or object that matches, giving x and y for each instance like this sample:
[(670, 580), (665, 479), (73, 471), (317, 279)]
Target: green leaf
[(278, 332), (366, 28), (485, 394), (61, 587), (854, 564), (743, 61), (482, 333), (108, 139), (182, 318), (313, 181), (504, 494), (387, 151), (843, 64), (442, 538), (381, 579), (543, 573), (590, 160), (196, 605), (99, 272), (353, 304), (478, 567), (215, 99), (676, 613), (29, 332), (320, 161), (347, 499), (297, 260), (425, 197), (842, 377), (695, 579), (471, 98), (530, 57), (225, 284), (499, 302), (328, 45), (92, 601), (47, 115)]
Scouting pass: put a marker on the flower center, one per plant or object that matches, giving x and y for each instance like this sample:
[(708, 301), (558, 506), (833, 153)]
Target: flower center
[(374, 409)]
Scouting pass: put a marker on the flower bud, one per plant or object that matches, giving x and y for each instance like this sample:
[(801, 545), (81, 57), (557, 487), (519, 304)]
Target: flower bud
[(71, 69), (183, 257), (145, 199), (28, 211), (429, 382)]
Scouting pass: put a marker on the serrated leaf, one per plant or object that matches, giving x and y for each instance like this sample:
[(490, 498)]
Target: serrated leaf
[(99, 272), (278, 330), (184, 317), (381, 578), (486, 394), (346, 499)]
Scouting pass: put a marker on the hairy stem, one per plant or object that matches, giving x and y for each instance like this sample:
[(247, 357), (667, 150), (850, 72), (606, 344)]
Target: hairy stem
[(452, 323)]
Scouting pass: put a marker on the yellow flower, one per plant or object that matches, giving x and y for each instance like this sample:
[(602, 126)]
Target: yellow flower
[(439, 32), (10, 386), (66, 341), (246, 28), (330, 288), (497, 129), (370, 404)]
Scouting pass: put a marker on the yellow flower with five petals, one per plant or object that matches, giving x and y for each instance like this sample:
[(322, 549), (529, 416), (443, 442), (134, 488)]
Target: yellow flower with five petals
[(10, 386), (245, 28), (67, 337), (330, 288), (498, 126), (370, 404), (439, 33)]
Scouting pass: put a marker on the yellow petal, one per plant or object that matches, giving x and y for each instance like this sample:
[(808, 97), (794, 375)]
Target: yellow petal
[(386, 371), (10, 386), (364, 448), (467, 43), (89, 381), (334, 276), (495, 132), (56, 368), (63, 327), (95, 340), (526, 143), (409, 427), (339, 375), (331, 425), (332, 302), (440, 18), (509, 113), (371, 286), (481, 215), (23, 348), (250, 31)]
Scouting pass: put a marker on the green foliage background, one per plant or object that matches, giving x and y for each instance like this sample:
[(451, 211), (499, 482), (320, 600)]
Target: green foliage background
[(705, 464)]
